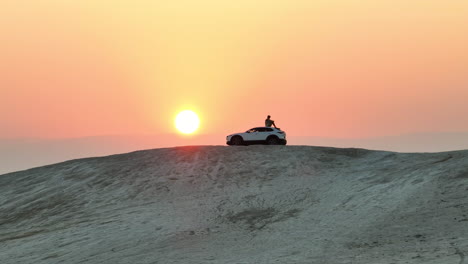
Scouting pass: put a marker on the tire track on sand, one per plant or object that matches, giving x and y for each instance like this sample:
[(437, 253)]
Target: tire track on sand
[(462, 256)]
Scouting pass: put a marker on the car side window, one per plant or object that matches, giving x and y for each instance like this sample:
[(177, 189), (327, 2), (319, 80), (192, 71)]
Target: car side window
[(261, 129), (268, 129)]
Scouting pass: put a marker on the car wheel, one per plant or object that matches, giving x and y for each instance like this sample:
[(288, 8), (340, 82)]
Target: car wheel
[(237, 141), (272, 141)]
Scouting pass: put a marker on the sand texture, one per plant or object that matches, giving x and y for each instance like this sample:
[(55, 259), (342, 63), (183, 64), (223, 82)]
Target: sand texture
[(256, 204)]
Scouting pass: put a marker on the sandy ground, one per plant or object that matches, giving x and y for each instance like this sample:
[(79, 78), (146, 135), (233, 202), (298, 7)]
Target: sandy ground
[(256, 204)]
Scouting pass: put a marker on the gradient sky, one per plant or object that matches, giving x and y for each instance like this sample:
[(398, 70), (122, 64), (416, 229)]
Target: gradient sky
[(349, 68)]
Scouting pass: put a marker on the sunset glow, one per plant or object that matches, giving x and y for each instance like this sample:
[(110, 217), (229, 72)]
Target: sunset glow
[(328, 68), (187, 122)]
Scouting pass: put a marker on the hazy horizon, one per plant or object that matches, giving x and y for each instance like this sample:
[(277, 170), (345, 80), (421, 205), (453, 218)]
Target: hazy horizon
[(26, 153)]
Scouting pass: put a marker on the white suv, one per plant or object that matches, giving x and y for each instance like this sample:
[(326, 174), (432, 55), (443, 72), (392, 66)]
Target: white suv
[(258, 135)]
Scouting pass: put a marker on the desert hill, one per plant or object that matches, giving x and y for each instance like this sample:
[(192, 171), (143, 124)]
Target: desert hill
[(256, 204)]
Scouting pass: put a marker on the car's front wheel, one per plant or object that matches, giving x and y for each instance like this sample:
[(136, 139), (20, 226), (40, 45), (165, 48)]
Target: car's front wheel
[(237, 141)]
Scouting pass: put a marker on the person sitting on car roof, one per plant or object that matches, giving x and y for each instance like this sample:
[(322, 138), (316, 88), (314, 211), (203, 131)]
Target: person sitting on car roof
[(269, 122)]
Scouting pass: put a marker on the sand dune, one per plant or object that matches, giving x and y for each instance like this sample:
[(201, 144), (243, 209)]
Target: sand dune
[(257, 204), (21, 154)]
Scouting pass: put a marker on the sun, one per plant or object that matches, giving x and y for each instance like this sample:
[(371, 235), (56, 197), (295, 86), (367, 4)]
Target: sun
[(187, 122)]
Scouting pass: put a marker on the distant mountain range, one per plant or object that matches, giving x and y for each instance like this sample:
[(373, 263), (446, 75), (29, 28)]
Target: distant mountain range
[(20, 154)]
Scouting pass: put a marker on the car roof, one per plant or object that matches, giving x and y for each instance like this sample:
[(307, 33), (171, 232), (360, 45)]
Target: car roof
[(264, 127)]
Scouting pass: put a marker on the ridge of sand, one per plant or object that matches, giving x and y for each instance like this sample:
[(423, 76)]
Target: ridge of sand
[(257, 204)]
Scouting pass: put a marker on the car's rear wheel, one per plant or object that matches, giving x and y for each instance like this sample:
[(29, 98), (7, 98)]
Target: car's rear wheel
[(237, 141), (272, 141)]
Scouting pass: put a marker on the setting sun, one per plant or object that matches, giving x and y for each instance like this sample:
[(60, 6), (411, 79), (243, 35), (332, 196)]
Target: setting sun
[(187, 122)]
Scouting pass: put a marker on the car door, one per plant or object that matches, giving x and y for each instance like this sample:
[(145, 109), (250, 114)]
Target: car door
[(262, 134), (252, 134), (267, 132)]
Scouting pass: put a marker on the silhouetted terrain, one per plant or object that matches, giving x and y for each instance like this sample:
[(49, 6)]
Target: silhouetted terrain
[(257, 204)]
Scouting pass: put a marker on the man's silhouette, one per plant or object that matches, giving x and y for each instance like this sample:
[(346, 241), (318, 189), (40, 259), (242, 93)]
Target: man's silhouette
[(269, 122)]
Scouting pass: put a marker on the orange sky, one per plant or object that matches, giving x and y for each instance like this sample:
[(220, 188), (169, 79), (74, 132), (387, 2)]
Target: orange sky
[(349, 68)]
